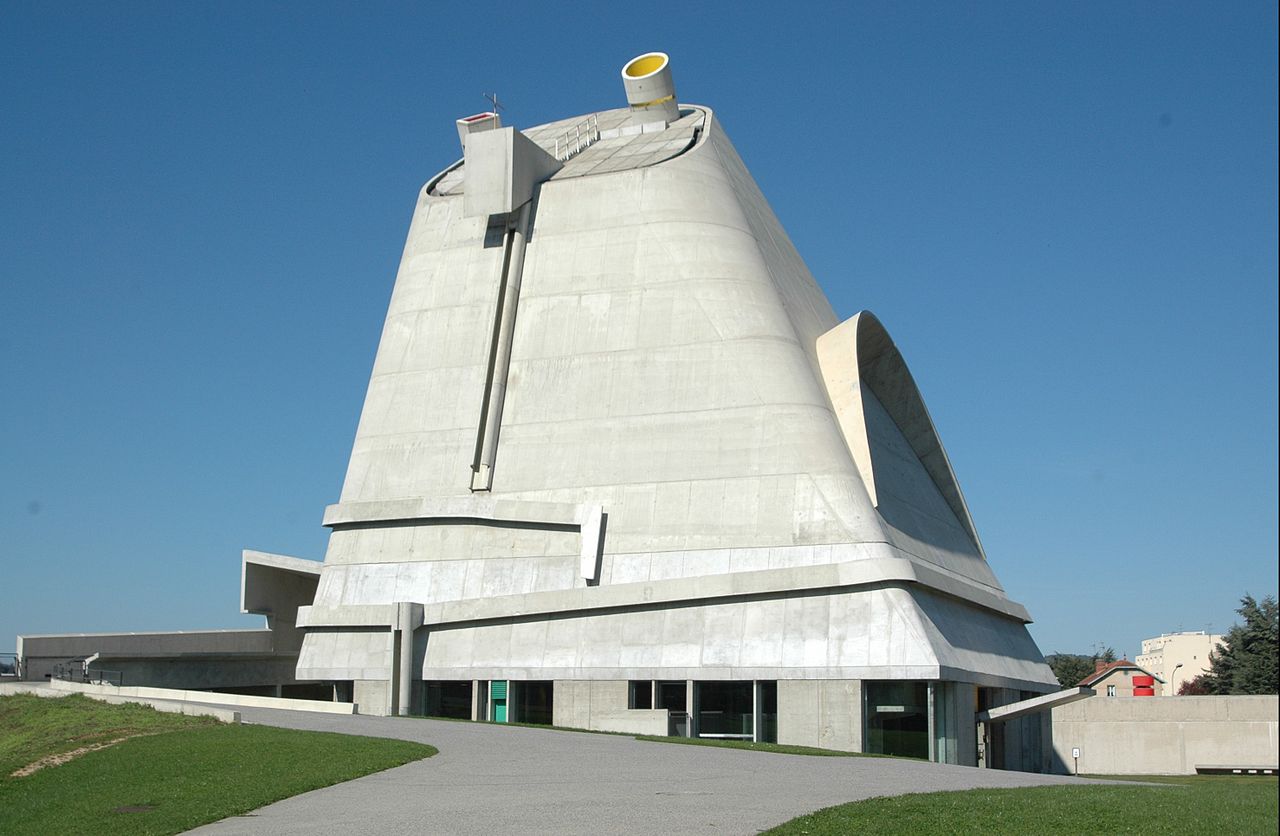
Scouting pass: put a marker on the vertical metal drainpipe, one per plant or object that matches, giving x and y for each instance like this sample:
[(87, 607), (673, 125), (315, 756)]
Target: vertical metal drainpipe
[(500, 355)]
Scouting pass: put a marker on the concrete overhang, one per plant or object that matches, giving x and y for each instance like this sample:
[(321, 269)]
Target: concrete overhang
[(276, 584), (1014, 710)]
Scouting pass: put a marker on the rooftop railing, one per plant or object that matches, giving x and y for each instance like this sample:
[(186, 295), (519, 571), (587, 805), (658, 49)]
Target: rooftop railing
[(577, 138)]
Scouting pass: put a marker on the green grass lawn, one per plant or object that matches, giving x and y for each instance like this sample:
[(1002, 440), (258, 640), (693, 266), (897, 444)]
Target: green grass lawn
[(186, 772), (1193, 804)]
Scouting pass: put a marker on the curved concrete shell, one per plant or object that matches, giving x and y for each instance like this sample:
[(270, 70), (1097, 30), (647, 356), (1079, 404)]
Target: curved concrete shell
[(615, 433)]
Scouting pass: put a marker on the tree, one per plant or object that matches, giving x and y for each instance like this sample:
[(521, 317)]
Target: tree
[(1248, 660), (1198, 687), (1070, 668)]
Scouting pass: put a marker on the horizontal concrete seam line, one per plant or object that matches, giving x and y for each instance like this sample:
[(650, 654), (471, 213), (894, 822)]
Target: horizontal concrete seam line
[(596, 422), (241, 630), (999, 591), (798, 406), (743, 584), (551, 358), (726, 551), (541, 513), (683, 223), (414, 313), (943, 581), (751, 478), (683, 227), (638, 289), (420, 522), (492, 609), (613, 353), (670, 347)]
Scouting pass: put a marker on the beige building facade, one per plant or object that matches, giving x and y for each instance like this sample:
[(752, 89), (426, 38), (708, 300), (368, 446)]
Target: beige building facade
[(1177, 657)]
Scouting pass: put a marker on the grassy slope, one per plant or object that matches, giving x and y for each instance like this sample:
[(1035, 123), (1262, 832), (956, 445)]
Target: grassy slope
[(33, 727), (191, 776), (1193, 804)]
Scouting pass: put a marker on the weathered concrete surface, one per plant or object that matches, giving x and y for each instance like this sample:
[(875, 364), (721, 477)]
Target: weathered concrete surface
[(1166, 735), (494, 779), (664, 370)]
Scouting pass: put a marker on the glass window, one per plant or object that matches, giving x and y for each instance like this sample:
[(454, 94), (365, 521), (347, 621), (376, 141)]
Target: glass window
[(768, 711), (1111, 690), (448, 699), (673, 696), (897, 719), (640, 693), (725, 709)]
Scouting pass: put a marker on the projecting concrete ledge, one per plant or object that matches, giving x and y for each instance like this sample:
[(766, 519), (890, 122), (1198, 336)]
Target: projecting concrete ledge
[(1014, 710), (837, 576), (483, 509)]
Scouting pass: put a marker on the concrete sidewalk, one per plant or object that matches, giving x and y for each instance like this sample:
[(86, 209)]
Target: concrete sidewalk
[(495, 779)]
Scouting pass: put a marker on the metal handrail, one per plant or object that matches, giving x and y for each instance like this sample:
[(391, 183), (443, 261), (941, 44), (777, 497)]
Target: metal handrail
[(80, 670), (577, 138)]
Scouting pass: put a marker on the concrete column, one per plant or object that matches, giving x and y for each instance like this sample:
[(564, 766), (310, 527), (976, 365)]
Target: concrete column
[(408, 618)]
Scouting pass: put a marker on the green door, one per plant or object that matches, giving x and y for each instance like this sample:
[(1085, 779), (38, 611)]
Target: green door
[(498, 698)]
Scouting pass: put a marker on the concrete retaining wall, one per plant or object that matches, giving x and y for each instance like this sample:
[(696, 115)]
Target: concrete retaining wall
[(205, 697), (226, 715), (1165, 735)]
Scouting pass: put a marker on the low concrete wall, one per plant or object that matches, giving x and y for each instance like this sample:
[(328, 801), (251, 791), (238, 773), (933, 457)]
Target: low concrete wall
[(1165, 735), (226, 715), (204, 697)]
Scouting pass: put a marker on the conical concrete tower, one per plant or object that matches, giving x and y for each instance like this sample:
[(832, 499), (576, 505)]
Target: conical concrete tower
[(619, 461)]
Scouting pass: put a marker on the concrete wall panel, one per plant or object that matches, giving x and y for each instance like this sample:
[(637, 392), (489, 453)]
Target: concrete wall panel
[(1165, 735)]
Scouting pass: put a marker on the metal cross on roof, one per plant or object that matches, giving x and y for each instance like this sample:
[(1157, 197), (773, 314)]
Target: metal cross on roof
[(493, 100)]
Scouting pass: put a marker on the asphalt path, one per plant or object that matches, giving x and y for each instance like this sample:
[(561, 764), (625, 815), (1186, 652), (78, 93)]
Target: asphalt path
[(505, 779)]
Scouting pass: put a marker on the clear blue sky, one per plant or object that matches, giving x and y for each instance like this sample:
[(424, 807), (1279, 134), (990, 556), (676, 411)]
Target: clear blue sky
[(1066, 215)]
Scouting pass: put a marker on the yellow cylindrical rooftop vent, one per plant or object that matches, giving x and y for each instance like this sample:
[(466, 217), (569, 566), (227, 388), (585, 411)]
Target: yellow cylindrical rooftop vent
[(650, 91)]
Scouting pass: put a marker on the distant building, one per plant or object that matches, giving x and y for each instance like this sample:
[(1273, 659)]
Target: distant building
[(1122, 679), (1178, 657)]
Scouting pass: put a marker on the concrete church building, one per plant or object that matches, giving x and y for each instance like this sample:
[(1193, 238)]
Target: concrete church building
[(618, 459), (620, 467)]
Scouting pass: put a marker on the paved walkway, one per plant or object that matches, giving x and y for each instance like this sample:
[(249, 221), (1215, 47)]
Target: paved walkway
[(502, 780)]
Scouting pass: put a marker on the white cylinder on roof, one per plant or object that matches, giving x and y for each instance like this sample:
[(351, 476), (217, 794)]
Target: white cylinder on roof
[(650, 91)]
